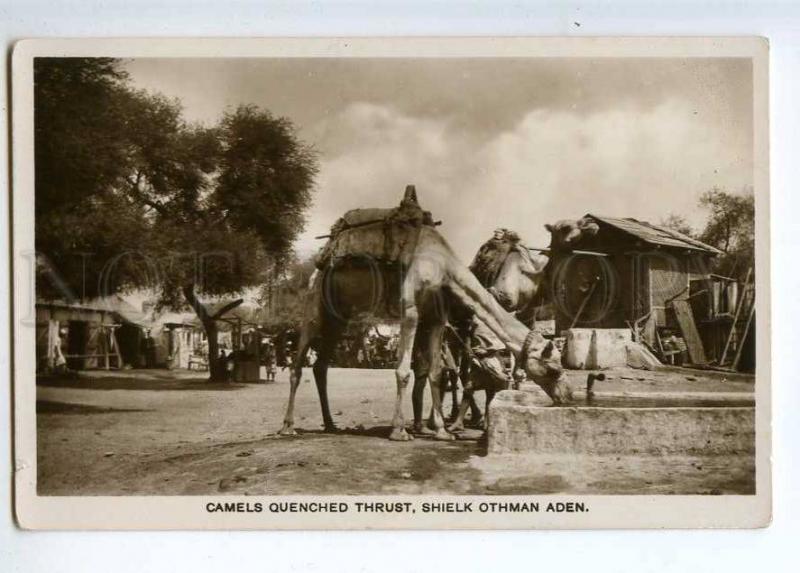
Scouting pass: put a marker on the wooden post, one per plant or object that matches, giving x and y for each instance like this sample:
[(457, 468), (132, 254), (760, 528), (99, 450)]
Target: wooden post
[(115, 346), (736, 317), (105, 340), (744, 336), (583, 303)]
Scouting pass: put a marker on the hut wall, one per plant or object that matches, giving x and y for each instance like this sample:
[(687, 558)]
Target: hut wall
[(669, 281), (88, 333), (608, 306)]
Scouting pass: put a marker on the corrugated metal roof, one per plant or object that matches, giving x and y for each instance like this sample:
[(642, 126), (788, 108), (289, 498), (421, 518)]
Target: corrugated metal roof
[(655, 234)]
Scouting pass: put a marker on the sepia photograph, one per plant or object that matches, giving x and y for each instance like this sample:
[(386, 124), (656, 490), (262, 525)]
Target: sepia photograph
[(330, 277)]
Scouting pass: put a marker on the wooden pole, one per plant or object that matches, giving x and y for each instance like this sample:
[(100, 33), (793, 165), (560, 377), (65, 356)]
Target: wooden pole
[(115, 347), (744, 337), (573, 252), (583, 303), (736, 317), (104, 338)]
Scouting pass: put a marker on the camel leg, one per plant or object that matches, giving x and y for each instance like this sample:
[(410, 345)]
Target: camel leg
[(324, 355), (408, 330), (436, 422), (295, 375)]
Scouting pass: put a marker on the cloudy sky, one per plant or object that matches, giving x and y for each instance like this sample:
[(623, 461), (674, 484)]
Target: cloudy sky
[(493, 142)]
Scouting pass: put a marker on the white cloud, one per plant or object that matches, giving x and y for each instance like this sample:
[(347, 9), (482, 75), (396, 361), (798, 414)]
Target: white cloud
[(636, 162)]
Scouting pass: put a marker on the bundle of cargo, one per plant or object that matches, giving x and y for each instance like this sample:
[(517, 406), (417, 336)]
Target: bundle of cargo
[(384, 235)]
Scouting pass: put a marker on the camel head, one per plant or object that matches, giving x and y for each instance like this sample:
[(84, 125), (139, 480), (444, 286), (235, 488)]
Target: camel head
[(542, 364), (568, 233)]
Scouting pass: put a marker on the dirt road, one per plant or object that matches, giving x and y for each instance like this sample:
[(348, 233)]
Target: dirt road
[(170, 433)]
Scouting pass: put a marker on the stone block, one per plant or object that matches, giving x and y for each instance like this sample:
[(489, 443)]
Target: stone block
[(596, 348), (577, 350), (522, 422)]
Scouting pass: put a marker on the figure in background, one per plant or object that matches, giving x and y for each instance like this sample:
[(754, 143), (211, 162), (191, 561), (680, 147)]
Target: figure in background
[(270, 361), (59, 360)]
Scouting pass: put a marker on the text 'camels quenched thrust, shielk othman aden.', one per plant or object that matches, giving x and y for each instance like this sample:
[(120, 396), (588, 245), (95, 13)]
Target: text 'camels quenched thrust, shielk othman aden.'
[(392, 263)]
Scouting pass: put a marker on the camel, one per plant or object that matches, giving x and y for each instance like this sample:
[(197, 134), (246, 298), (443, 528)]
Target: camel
[(425, 286), (518, 280), (515, 278)]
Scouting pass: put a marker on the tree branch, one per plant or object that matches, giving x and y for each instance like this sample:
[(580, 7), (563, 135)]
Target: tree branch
[(194, 302), (140, 195), (227, 308)]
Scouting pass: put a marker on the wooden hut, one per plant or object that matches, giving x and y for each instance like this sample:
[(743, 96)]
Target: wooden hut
[(633, 274), (85, 333)]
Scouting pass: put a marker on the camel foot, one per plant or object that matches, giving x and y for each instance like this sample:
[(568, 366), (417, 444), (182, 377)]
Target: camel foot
[(331, 429), (287, 430), (478, 422), (400, 435), (443, 435)]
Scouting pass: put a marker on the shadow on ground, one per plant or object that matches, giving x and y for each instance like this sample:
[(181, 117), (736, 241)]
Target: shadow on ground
[(143, 383), (52, 407)]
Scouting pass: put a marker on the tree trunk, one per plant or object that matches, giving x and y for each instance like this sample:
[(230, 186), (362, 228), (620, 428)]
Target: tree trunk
[(216, 368)]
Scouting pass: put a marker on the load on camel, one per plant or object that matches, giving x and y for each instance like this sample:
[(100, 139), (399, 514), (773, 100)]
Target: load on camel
[(398, 266)]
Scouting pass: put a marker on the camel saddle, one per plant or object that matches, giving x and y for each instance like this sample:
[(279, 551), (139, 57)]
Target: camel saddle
[(385, 235)]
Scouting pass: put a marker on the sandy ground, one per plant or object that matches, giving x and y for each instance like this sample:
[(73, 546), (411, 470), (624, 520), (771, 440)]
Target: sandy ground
[(170, 433)]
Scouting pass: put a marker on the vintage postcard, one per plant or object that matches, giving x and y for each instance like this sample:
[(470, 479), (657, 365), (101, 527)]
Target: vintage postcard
[(462, 283)]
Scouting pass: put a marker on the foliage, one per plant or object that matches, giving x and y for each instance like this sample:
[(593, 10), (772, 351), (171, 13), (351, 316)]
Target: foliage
[(266, 177), (79, 159), (678, 223), (730, 227), (283, 296), (128, 194)]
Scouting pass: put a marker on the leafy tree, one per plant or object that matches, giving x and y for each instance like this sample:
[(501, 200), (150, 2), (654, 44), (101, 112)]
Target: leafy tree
[(284, 292), (678, 223), (731, 228), (129, 195), (80, 159)]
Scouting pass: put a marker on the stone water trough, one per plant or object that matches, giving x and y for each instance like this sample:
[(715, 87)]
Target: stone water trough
[(523, 421)]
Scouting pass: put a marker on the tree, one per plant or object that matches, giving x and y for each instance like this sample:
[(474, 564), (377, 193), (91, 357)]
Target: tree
[(80, 159), (283, 295), (678, 223), (246, 221), (131, 195), (731, 228)]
